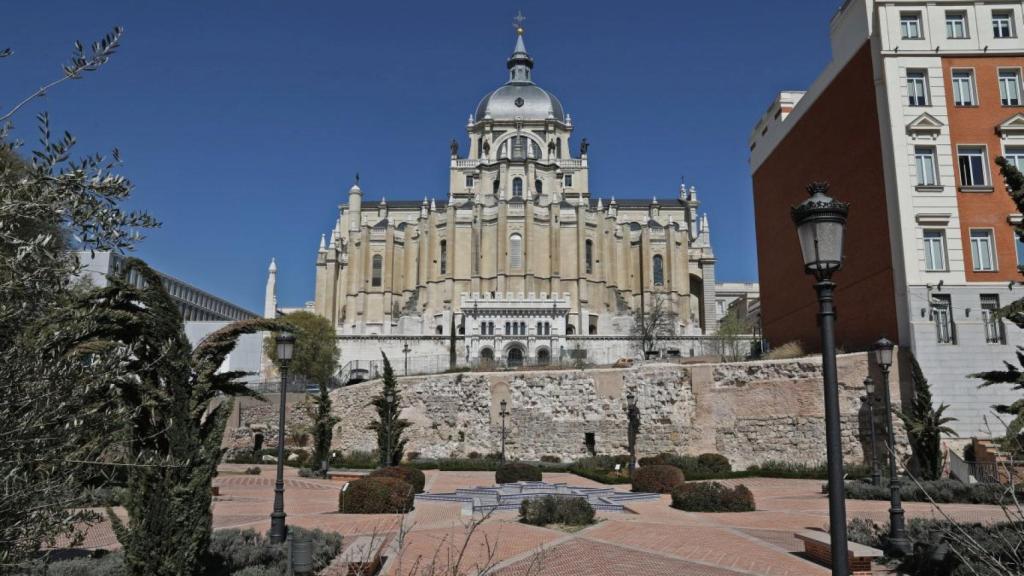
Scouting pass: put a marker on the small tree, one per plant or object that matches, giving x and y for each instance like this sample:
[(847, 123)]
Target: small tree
[(316, 359), (656, 321), (729, 343), (389, 426), (925, 424)]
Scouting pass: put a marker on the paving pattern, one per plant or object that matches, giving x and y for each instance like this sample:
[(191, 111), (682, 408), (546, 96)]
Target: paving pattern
[(648, 538)]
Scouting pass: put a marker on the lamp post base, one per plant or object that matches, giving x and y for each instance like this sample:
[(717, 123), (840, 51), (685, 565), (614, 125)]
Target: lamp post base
[(278, 529)]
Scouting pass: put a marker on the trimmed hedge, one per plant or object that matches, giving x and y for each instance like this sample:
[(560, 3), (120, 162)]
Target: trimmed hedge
[(376, 495), (657, 478), (517, 472), (712, 497), (602, 476), (941, 491), (232, 551), (407, 474), (571, 511), (714, 463)]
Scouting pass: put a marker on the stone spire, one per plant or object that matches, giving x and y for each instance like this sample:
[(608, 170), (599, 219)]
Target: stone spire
[(323, 242), (520, 64), (270, 300)]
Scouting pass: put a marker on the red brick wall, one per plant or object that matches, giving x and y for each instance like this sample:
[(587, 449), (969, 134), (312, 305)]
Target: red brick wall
[(836, 140), (977, 125)]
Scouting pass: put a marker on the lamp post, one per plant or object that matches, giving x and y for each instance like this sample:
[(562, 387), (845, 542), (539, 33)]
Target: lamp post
[(390, 399), (820, 225), (869, 387), (633, 418), (898, 541), (406, 350), (285, 348), (503, 414)]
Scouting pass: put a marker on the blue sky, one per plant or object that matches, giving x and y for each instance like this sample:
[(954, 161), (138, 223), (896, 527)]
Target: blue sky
[(241, 124)]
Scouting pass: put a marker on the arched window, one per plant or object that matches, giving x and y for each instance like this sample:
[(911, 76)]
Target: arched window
[(439, 330), (522, 328), (589, 253), (515, 251), (539, 187), (534, 150), (540, 328), (558, 148), (517, 187), (519, 144), (508, 328), (444, 256), (659, 270), (378, 270)]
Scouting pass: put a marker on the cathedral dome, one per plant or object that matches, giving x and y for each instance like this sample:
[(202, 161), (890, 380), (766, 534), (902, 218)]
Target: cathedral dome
[(520, 98)]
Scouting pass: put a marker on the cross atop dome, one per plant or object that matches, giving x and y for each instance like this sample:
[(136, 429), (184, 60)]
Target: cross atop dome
[(518, 23)]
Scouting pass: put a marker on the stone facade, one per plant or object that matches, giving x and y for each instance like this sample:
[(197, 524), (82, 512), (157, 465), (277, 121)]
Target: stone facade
[(750, 412)]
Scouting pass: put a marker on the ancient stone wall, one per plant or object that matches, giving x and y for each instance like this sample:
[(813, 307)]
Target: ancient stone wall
[(750, 411)]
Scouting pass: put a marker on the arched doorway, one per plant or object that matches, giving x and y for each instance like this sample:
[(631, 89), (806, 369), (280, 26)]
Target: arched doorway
[(486, 358), (543, 357), (515, 357)]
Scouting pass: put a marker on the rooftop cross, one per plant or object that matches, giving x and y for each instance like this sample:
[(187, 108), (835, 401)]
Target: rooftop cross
[(519, 22)]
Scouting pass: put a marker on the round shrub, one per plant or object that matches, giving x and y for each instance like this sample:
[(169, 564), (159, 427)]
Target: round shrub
[(714, 463), (660, 478), (571, 511), (712, 497), (550, 459), (517, 472), (253, 470), (407, 474), (376, 495)]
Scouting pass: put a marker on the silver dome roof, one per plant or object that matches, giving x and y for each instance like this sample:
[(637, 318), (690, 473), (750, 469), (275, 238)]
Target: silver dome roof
[(520, 98), (520, 101)]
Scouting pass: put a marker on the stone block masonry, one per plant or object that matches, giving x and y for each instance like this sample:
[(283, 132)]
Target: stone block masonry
[(750, 412)]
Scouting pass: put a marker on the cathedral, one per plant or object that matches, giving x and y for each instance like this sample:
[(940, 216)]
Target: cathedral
[(519, 264)]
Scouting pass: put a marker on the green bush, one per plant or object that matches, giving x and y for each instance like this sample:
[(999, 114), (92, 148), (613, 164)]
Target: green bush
[(517, 472), (423, 464), (602, 476), (550, 458), (657, 478), (356, 459), (376, 495), (232, 552), (941, 491), (407, 474), (254, 470), (250, 457), (714, 463), (571, 511), (712, 497), (602, 462)]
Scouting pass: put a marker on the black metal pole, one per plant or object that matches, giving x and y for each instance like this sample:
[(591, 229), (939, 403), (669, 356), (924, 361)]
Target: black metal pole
[(278, 530), (898, 541), (503, 413), (833, 440), (876, 473)]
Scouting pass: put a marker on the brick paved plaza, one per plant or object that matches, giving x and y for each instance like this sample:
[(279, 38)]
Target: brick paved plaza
[(651, 538)]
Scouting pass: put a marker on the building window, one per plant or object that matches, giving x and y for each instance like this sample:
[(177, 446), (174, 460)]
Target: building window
[(469, 180), (994, 333), (1020, 251), (1015, 156), (517, 187), (982, 250), (496, 185), (659, 270), (444, 256), (589, 249), (378, 270), (519, 144), (1009, 87), (910, 26), (942, 315), (538, 186), (1002, 25), (568, 180), (515, 251), (972, 162), (924, 159), (963, 88), (956, 25), (917, 88), (935, 250)]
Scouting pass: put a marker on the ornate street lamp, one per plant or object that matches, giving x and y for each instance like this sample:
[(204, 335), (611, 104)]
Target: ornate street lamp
[(898, 541), (633, 418), (285, 349), (820, 226), (869, 399), (503, 414)]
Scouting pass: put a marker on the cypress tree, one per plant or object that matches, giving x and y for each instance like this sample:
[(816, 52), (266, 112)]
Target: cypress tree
[(389, 426)]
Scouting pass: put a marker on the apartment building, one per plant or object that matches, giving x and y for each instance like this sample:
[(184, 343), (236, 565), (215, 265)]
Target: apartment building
[(905, 123)]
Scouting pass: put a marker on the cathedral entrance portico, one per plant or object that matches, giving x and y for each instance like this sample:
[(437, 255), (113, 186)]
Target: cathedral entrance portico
[(515, 355)]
